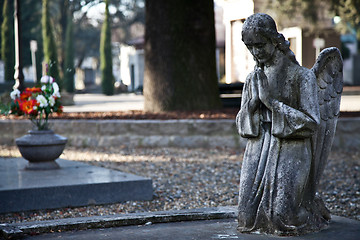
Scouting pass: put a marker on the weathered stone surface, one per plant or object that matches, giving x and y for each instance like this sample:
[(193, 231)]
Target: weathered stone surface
[(41, 149), (17, 230), (74, 184), (288, 114), (175, 133), (111, 128), (204, 224)]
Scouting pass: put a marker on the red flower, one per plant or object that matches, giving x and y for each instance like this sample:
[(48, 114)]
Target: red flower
[(25, 95), (26, 103), (28, 106), (33, 89)]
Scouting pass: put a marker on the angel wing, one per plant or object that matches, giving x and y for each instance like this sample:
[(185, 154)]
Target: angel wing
[(328, 71)]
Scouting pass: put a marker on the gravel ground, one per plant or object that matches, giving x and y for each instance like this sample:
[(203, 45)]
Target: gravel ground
[(193, 178)]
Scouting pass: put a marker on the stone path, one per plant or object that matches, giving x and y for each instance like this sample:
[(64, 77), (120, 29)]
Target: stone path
[(201, 224), (123, 102)]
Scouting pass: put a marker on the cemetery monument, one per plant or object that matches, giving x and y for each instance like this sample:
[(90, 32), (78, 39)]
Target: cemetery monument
[(288, 114)]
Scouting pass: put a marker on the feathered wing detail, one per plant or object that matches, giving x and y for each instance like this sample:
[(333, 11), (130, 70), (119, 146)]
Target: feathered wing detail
[(328, 70)]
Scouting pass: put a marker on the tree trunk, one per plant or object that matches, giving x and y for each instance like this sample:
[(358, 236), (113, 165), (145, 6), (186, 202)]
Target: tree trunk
[(180, 69)]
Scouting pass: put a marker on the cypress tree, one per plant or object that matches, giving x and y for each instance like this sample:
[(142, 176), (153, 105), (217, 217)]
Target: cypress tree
[(7, 40), (1, 20), (107, 79), (50, 54), (69, 57)]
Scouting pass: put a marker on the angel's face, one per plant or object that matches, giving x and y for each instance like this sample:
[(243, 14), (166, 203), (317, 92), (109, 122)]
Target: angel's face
[(260, 47)]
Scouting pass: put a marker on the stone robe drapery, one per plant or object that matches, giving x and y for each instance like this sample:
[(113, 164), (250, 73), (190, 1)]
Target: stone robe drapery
[(273, 195)]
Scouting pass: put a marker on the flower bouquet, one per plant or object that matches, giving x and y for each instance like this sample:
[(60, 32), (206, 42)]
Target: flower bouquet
[(41, 147), (38, 102)]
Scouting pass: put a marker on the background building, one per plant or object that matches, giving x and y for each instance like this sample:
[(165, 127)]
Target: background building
[(303, 42)]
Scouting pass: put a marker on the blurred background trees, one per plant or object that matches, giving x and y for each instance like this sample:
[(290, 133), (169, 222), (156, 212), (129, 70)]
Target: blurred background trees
[(69, 68), (50, 48), (31, 15), (349, 16), (107, 78), (62, 16), (179, 42), (309, 13), (7, 40)]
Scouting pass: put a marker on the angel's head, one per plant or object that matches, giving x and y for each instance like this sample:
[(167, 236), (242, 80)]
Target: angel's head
[(261, 37)]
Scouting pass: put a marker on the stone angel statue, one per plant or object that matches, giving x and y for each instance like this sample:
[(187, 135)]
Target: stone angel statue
[(288, 114)]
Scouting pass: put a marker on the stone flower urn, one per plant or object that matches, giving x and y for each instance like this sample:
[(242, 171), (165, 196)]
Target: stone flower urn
[(41, 148)]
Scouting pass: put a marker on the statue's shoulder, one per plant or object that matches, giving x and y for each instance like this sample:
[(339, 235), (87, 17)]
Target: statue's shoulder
[(251, 74), (303, 74)]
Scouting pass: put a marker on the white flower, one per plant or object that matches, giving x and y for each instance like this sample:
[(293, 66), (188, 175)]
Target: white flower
[(55, 87), (52, 101), (15, 94), (42, 101), (35, 108), (46, 79), (43, 88), (57, 95)]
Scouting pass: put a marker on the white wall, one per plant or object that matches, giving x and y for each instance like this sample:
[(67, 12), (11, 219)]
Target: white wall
[(131, 58), (296, 34), (125, 52), (238, 62), (2, 73)]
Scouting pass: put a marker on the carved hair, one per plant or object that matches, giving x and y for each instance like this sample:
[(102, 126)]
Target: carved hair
[(264, 25)]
